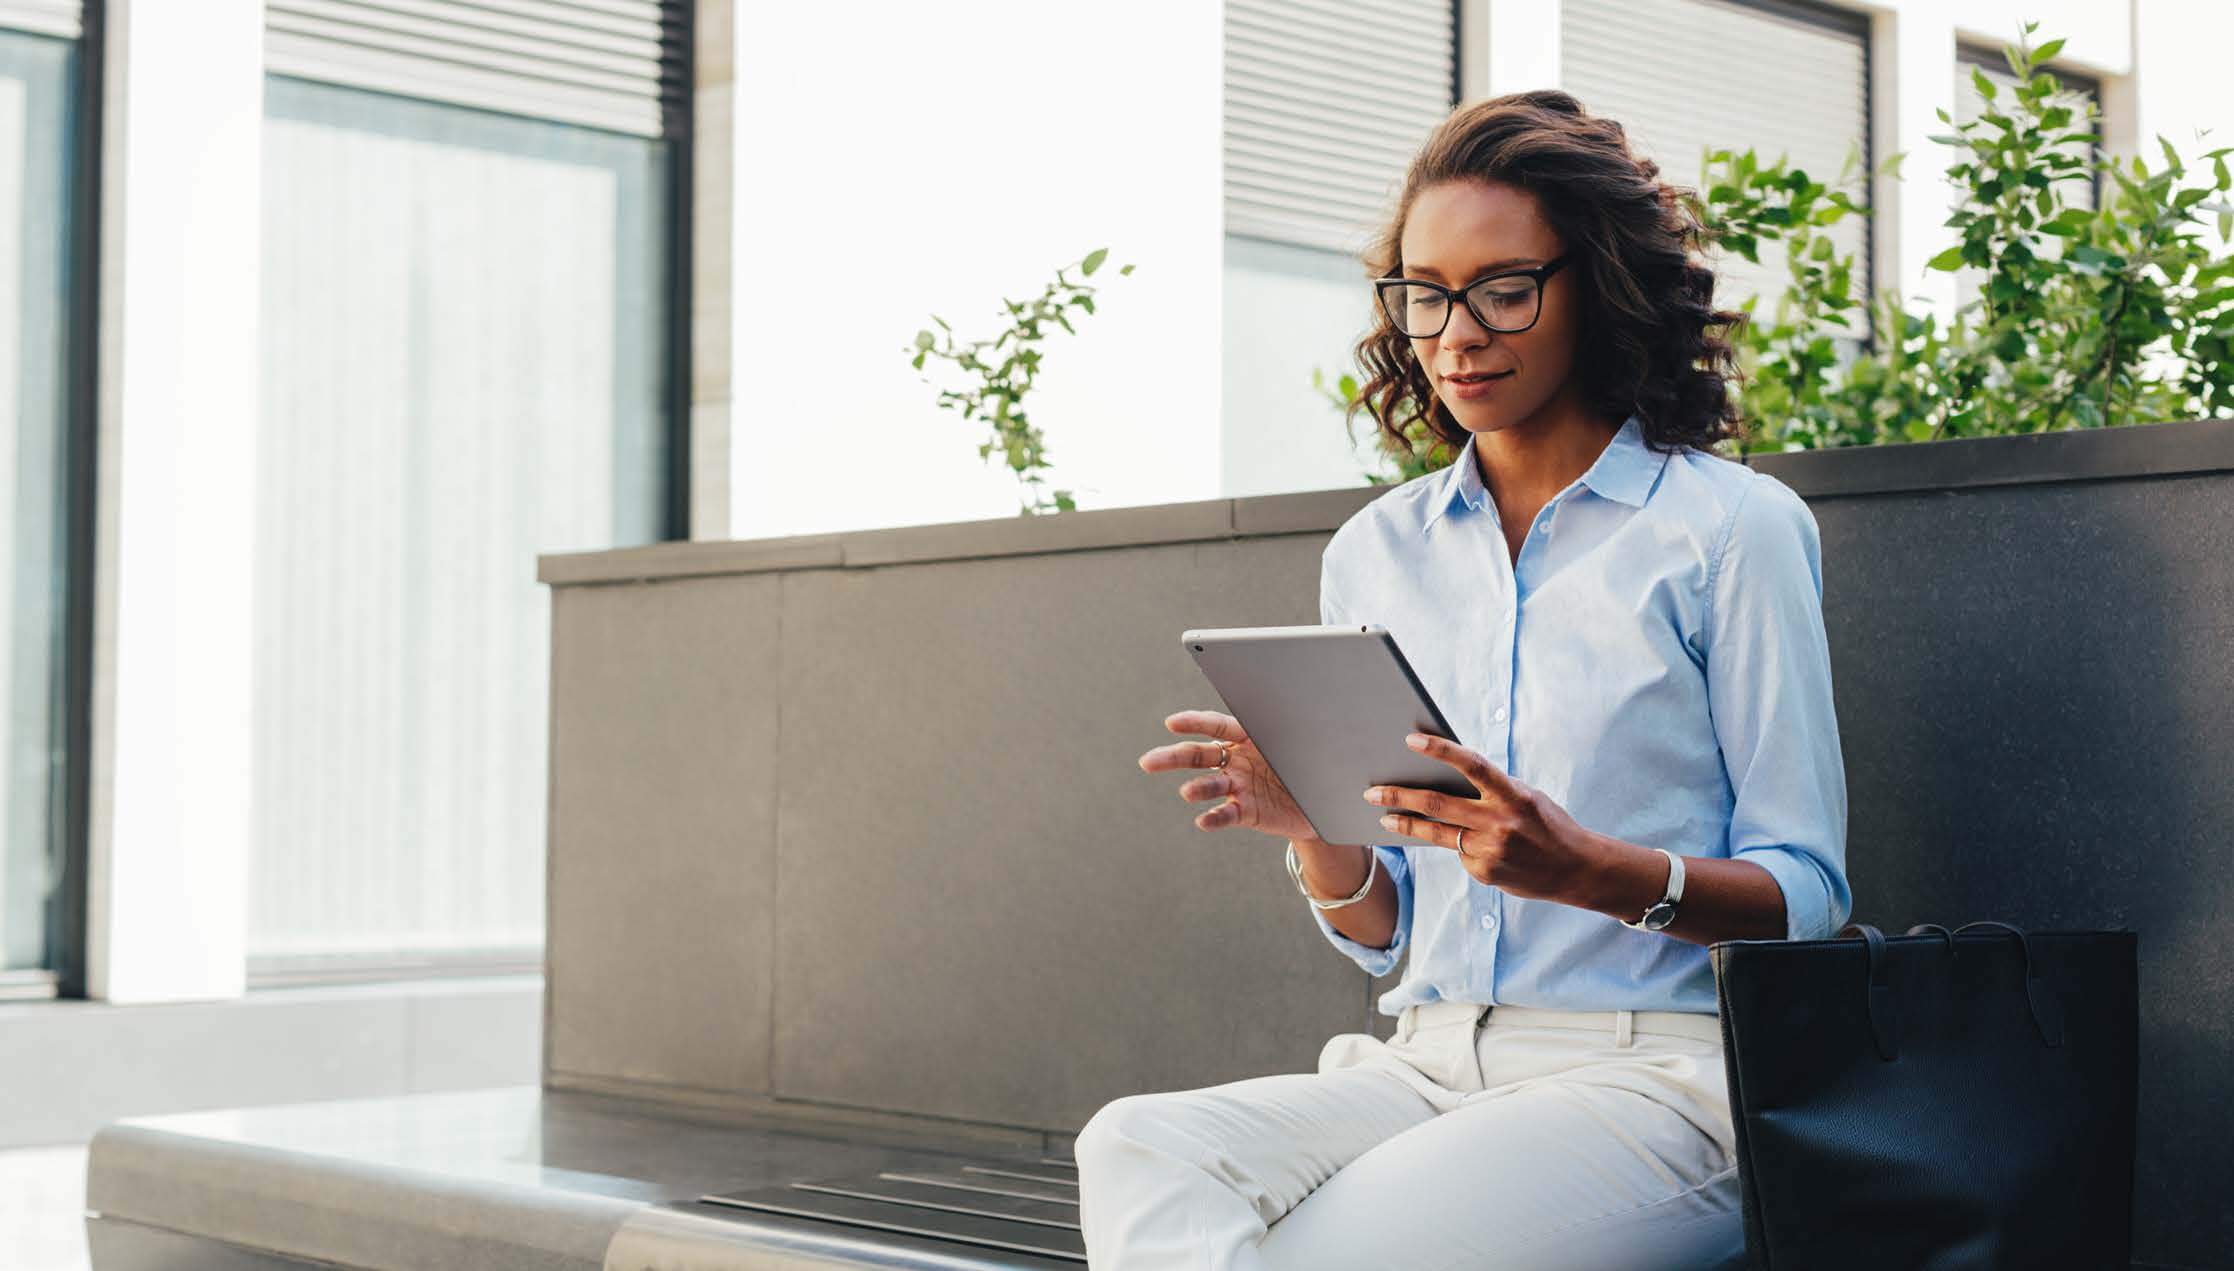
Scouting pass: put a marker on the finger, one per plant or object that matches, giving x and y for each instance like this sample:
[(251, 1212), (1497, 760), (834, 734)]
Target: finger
[(1208, 723), (1185, 754), (1208, 786), (1433, 804), (1218, 818), (1434, 832), (1486, 776)]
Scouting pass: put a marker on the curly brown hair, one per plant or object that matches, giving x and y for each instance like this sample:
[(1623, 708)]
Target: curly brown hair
[(1651, 341)]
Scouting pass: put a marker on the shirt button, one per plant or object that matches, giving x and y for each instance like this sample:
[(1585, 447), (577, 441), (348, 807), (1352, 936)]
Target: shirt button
[(1500, 715), (1489, 922)]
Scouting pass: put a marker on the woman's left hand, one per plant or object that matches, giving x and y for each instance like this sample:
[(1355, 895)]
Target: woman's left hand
[(1515, 837)]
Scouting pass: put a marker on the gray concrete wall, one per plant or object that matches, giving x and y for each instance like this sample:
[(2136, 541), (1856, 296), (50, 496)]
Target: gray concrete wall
[(857, 821), (854, 820)]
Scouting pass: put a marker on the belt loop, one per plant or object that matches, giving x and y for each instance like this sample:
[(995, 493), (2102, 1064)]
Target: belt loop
[(1624, 1026)]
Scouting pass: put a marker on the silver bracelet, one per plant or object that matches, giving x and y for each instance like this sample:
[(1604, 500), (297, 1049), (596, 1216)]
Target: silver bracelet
[(1295, 871)]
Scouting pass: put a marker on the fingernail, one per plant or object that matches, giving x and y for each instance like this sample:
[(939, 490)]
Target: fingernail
[(1388, 822), (1416, 742), (1373, 794)]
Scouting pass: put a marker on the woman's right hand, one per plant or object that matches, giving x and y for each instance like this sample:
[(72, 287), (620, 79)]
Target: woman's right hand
[(1254, 797)]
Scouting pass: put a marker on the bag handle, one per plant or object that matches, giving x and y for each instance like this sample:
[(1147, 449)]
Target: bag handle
[(2047, 1011), (1884, 1017), (1944, 934)]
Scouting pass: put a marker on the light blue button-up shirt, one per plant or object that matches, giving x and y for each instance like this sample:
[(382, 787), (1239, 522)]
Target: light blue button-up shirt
[(1654, 660)]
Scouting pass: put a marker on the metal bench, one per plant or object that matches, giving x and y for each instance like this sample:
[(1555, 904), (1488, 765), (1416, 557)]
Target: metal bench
[(508, 1180)]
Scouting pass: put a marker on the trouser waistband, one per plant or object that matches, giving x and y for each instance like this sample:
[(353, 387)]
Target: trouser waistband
[(1619, 1025)]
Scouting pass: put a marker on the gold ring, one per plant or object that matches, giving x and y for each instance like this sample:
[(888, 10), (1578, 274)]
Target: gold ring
[(1225, 752), (1462, 840)]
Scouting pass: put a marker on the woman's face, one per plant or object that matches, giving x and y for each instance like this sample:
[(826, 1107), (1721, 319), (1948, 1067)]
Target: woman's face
[(1457, 232)]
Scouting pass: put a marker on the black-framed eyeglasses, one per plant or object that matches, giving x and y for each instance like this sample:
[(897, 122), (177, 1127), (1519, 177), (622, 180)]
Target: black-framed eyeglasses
[(1505, 302)]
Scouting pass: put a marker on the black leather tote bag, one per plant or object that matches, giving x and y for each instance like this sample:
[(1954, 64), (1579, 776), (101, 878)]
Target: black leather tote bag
[(1933, 1101)]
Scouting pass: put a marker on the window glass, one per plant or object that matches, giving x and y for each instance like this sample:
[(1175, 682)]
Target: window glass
[(464, 349), (37, 85)]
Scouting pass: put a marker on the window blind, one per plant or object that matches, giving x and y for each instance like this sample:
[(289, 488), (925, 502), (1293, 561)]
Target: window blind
[(1686, 76), (618, 65), (1326, 102), (44, 17)]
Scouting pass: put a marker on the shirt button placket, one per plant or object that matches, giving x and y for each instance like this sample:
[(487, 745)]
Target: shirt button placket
[(1486, 957)]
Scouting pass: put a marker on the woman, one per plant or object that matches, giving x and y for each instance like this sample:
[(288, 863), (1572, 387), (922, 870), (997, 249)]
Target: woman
[(1626, 631)]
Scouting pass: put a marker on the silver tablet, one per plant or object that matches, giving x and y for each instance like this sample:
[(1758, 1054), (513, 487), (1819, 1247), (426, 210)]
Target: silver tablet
[(1329, 708)]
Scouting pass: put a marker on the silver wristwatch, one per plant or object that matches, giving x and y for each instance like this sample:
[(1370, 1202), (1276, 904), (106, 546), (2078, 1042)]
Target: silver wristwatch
[(1663, 913)]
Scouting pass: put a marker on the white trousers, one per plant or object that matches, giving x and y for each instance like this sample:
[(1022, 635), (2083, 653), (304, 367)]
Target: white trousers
[(1476, 1138)]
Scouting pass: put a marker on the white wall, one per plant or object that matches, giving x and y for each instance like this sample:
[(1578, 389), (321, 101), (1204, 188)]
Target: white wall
[(182, 162), (2180, 75), (948, 156)]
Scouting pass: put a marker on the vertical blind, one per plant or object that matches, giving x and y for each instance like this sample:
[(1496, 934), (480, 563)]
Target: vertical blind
[(1326, 101), (1686, 76), (619, 65), (462, 367), (467, 291)]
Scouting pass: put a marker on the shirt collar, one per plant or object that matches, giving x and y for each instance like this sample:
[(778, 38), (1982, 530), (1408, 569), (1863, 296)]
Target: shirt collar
[(1624, 472)]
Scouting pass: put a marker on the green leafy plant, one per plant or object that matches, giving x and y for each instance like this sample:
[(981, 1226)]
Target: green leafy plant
[(1003, 369), (2082, 317)]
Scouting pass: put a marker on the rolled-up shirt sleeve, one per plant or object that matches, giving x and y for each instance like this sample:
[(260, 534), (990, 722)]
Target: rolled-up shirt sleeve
[(1377, 962), (1769, 691)]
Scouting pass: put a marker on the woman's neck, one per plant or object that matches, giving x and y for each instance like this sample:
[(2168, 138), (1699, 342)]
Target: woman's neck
[(1525, 464)]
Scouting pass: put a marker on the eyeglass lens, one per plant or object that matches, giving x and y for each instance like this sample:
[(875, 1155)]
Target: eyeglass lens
[(1501, 304)]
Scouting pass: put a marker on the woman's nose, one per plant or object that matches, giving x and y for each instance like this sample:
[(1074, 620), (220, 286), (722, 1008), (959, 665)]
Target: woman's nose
[(1463, 331)]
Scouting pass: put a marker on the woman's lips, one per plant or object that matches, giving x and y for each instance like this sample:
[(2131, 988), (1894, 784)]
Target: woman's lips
[(1468, 390)]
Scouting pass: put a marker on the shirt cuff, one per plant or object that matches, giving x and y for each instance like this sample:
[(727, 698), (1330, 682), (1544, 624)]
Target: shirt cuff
[(1379, 962), (1811, 910)]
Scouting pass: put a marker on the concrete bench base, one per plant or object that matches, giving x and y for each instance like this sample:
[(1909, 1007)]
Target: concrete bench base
[(517, 1179)]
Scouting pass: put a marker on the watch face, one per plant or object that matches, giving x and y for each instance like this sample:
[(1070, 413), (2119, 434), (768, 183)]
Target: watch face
[(1658, 917)]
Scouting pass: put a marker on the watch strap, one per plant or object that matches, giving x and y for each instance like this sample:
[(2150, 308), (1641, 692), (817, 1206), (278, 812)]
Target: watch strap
[(1665, 907)]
